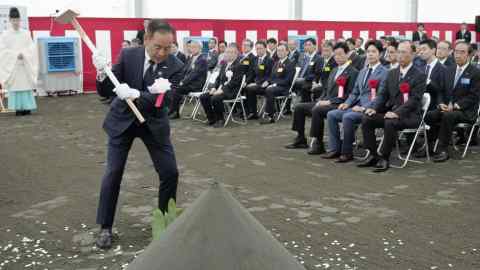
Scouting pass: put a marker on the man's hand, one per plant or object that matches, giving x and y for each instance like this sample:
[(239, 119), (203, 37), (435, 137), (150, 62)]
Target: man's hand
[(358, 109), (212, 91), (343, 106), (218, 92), (251, 84), (123, 92), (265, 84), (391, 115), (443, 107), (456, 106), (323, 103), (370, 112)]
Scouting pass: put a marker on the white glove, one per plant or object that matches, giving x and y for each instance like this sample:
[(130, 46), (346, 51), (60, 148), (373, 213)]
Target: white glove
[(264, 84), (99, 61), (123, 92), (229, 74), (161, 85)]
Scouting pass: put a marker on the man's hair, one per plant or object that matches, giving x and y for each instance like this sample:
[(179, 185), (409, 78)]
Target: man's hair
[(311, 40), (271, 40), (430, 43), (261, 42), (420, 24), (222, 42), (283, 45), (343, 46), (350, 40), (375, 43), (159, 26), (250, 43), (14, 13), (328, 44), (394, 44), (361, 39), (446, 42), (127, 41)]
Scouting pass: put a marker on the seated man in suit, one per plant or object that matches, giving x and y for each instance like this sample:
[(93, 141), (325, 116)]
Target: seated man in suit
[(247, 60), (175, 51), (358, 61), (272, 49), (464, 34), (436, 83), (226, 86), (343, 75), (358, 46), (458, 104), (258, 81), (212, 57), (195, 74), (397, 107), (370, 81), (279, 82), (311, 65), (444, 53), (293, 53), (329, 64)]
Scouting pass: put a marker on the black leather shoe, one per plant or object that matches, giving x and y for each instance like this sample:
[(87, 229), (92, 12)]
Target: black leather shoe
[(442, 156), (331, 155), (382, 166), (266, 121), (344, 158), (371, 161), (252, 116), (316, 148), (298, 143), (104, 239)]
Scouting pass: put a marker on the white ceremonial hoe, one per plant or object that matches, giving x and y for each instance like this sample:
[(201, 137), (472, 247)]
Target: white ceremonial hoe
[(69, 16)]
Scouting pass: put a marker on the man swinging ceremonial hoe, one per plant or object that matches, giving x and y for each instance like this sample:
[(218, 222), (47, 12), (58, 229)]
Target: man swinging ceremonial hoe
[(145, 73)]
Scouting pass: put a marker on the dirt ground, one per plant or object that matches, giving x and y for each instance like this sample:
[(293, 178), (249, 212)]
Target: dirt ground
[(329, 216)]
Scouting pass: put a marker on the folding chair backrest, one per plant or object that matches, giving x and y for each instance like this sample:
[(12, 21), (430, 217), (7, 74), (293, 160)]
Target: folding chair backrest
[(207, 81), (242, 85), (297, 72), (426, 99)]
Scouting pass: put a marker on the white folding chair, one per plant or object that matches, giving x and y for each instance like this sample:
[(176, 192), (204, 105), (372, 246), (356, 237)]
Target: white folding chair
[(422, 128), (230, 105), (472, 127), (282, 99), (211, 76)]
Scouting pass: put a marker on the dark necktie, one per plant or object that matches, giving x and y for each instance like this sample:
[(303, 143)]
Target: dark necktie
[(427, 70), (369, 73), (149, 76), (304, 66)]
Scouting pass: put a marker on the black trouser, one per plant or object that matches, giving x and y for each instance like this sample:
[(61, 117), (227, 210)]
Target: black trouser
[(163, 157), (270, 94), (213, 105), (318, 113), (442, 125), (177, 95), (390, 131), (304, 89), (251, 92)]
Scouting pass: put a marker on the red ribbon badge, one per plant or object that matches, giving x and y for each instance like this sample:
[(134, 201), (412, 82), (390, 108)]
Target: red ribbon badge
[(341, 82), (373, 84), (405, 90)]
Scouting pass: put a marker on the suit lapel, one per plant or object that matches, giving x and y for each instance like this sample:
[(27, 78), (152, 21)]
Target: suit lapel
[(140, 65)]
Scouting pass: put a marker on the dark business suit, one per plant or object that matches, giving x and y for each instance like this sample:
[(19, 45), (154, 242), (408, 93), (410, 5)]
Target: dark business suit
[(193, 80), (319, 112), (181, 56), (467, 36), (213, 105), (465, 93), (310, 70), (122, 128), (449, 61), (417, 37), (280, 82), (322, 78), (391, 99), (140, 36), (212, 59), (437, 85), (358, 61), (294, 56), (261, 74)]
